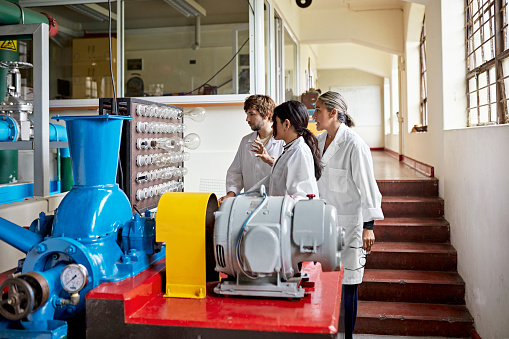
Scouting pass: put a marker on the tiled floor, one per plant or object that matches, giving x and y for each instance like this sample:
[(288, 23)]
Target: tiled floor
[(387, 167), (372, 336)]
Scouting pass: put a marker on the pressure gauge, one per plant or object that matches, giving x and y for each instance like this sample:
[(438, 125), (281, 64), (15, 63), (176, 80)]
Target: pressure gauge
[(74, 277)]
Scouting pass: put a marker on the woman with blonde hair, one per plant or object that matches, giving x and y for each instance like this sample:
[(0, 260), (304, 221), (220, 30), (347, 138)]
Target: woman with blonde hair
[(347, 183)]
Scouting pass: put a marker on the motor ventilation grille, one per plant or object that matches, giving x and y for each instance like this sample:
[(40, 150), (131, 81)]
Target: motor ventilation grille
[(220, 256)]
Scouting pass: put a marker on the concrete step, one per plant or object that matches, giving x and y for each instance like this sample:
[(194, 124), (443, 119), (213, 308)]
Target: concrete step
[(412, 286), (422, 230), (412, 207), (397, 318), (427, 187), (412, 256)]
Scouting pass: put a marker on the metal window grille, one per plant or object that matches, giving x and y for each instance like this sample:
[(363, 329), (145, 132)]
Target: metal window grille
[(487, 56), (424, 77)]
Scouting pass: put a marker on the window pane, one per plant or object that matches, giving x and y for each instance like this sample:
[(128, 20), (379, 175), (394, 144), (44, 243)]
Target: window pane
[(480, 32), (290, 67), (268, 36), (165, 57), (484, 83), (423, 87), (79, 54)]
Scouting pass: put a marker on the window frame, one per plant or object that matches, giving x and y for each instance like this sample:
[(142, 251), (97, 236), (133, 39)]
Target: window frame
[(120, 30), (423, 76), (475, 43)]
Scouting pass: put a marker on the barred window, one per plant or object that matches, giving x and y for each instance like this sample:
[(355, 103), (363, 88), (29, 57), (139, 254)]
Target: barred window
[(424, 77), (487, 55)]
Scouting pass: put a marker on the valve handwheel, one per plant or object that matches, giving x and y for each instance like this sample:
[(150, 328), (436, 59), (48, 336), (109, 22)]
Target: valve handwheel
[(15, 64), (17, 299)]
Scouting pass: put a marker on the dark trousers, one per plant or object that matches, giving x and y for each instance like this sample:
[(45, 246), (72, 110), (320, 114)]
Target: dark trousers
[(348, 312)]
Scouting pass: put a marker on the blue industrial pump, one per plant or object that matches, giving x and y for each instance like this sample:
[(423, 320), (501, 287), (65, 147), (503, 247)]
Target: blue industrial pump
[(92, 238)]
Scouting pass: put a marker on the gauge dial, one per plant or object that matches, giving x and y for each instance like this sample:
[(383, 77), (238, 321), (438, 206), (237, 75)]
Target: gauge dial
[(74, 277)]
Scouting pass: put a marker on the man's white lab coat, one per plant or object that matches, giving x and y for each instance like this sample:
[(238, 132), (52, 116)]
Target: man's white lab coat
[(246, 169)]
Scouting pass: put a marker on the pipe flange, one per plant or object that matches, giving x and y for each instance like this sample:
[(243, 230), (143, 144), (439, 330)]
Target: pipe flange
[(16, 105), (13, 127), (39, 285)]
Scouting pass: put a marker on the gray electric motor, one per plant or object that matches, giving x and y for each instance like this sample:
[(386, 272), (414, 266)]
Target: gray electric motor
[(259, 242)]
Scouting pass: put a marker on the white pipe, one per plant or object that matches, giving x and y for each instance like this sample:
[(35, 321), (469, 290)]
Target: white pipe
[(196, 44)]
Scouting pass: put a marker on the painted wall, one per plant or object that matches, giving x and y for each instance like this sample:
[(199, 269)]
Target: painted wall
[(381, 30), (372, 133), (349, 55), (476, 195), (392, 137), (306, 52), (220, 135)]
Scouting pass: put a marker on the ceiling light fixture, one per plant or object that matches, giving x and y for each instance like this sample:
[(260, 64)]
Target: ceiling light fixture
[(93, 11), (189, 8)]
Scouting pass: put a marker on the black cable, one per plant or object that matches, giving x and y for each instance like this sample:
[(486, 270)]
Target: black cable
[(227, 82), (229, 62), (364, 256), (114, 107), (249, 3)]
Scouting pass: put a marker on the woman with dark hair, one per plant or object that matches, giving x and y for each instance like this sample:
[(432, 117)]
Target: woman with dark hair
[(298, 168), (347, 183)]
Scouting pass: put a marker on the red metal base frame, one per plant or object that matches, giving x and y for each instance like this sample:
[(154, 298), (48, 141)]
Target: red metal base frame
[(136, 306)]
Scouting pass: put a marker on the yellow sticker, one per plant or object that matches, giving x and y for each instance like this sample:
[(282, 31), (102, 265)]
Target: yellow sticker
[(10, 45)]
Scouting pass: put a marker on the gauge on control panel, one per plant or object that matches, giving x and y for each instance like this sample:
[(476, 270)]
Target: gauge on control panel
[(74, 277)]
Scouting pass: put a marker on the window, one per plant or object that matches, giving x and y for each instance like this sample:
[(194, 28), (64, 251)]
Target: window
[(424, 77), (79, 53), (165, 51), (290, 66), (184, 55), (487, 61)]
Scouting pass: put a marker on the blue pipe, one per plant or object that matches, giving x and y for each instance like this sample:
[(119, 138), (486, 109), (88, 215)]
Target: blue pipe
[(17, 236), (94, 142), (59, 133), (8, 128), (4, 130)]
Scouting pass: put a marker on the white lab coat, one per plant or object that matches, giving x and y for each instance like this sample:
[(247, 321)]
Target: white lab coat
[(293, 173), (246, 169), (348, 183)]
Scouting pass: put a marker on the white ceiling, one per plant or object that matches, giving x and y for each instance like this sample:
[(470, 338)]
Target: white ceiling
[(356, 4)]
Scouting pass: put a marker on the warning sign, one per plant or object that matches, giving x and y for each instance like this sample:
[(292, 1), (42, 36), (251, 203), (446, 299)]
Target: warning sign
[(10, 45)]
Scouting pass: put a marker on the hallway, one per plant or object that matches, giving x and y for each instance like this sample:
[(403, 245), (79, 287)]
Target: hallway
[(388, 167)]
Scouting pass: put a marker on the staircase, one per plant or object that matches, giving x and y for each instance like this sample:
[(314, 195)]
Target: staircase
[(411, 286)]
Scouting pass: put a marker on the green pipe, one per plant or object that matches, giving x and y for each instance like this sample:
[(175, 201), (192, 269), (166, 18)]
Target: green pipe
[(58, 165), (66, 174), (10, 14), (9, 52), (8, 166)]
